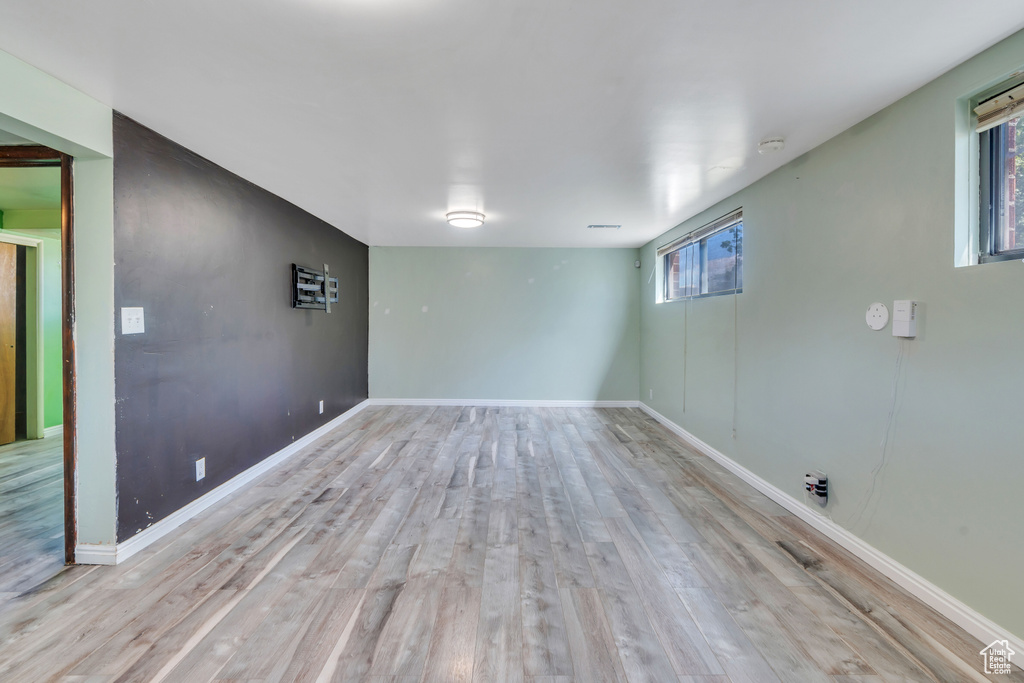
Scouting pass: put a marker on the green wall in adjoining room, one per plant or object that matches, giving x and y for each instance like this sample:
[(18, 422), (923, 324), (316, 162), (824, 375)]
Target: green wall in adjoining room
[(39, 225), (504, 323), (35, 221), (786, 377)]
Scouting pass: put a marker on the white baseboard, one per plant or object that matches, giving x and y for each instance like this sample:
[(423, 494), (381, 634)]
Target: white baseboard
[(978, 625), (498, 403), (56, 430), (109, 554), (88, 553)]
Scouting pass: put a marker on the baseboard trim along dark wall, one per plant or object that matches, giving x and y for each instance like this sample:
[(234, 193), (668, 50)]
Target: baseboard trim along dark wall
[(226, 369)]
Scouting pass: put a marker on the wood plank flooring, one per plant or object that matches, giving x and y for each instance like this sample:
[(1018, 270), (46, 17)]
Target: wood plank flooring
[(485, 544), (31, 514)]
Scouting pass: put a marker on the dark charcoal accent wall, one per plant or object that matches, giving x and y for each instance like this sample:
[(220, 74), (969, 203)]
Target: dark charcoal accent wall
[(226, 368)]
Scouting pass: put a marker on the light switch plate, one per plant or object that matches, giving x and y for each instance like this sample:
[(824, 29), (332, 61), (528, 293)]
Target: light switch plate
[(133, 321)]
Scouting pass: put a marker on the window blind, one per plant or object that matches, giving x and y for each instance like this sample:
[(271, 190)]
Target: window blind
[(998, 110), (703, 231)]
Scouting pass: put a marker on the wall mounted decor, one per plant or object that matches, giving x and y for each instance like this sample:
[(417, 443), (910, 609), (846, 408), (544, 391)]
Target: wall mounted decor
[(313, 288)]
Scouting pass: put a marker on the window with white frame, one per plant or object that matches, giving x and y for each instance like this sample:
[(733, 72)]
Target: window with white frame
[(705, 262), (1001, 170)]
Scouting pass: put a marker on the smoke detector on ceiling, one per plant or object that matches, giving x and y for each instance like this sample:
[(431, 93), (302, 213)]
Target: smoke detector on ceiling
[(775, 143)]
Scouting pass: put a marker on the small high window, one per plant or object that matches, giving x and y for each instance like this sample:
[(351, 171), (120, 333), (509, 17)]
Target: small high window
[(1001, 167), (705, 262)]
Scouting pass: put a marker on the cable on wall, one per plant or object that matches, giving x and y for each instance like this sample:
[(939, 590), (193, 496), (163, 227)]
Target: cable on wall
[(884, 444), (686, 334), (735, 359)]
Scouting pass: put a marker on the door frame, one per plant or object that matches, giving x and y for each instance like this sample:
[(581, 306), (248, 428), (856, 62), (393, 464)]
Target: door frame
[(34, 156)]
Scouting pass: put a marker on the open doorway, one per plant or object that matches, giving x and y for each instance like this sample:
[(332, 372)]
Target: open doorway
[(36, 451)]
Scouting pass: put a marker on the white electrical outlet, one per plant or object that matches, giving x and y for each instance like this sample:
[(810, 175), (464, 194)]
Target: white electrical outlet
[(321, 407), (200, 468), (133, 321), (652, 394), (877, 316), (816, 485)]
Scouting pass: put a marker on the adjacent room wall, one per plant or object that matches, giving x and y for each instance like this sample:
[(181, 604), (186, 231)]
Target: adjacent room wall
[(504, 324), (787, 377), (44, 224), (226, 369)]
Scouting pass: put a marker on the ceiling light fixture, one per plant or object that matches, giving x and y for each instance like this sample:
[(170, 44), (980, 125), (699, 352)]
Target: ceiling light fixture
[(465, 219), (775, 143)]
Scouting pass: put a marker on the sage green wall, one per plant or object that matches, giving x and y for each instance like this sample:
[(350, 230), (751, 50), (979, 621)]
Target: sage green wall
[(513, 324), (53, 380), (40, 224), (38, 107), (786, 377)]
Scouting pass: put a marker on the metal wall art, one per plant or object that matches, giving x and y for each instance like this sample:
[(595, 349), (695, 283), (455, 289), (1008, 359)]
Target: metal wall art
[(313, 288)]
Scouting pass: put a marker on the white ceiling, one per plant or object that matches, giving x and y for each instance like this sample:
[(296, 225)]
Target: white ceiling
[(547, 115)]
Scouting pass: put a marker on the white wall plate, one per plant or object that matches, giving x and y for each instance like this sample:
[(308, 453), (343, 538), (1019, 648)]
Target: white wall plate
[(877, 316), (133, 321)]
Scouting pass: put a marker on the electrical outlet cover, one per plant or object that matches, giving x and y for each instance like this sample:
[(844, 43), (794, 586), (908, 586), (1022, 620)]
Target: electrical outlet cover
[(877, 316), (133, 321), (200, 468)]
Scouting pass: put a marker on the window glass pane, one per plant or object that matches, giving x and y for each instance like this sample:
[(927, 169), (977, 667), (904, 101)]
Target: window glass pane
[(672, 275), (711, 266), (738, 238), (691, 276), (682, 272), (1008, 185), (722, 250), (1009, 228)]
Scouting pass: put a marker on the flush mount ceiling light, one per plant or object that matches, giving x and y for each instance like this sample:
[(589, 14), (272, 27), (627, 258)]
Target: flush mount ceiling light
[(465, 219), (775, 143)]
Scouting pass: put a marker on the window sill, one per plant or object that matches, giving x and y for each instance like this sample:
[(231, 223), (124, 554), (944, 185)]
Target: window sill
[(1015, 255), (701, 296)]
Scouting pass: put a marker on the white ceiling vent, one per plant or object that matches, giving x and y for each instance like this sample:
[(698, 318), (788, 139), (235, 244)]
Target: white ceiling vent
[(608, 227)]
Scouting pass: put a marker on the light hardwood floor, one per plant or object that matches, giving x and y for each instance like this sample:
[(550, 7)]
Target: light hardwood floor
[(31, 514), (512, 544)]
